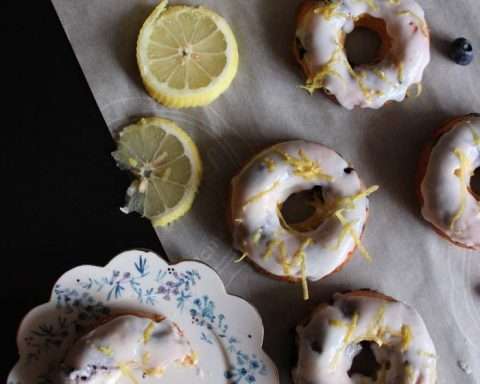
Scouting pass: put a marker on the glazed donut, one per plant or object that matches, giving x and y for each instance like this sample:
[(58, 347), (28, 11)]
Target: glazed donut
[(446, 167), (322, 27), (335, 334), (123, 346), (309, 250)]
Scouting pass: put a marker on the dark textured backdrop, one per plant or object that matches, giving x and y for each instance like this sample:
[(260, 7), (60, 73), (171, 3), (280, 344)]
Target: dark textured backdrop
[(61, 190)]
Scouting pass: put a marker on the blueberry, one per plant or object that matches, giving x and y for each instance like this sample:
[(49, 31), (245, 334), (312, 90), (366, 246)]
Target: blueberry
[(461, 51)]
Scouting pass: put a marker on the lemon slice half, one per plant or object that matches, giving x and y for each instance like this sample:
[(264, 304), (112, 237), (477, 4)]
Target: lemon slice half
[(187, 56), (167, 169)]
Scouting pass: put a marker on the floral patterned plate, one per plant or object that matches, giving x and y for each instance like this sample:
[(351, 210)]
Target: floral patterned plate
[(225, 331)]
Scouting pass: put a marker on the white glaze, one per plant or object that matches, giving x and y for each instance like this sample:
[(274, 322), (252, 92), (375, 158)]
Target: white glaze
[(328, 343), (102, 355), (325, 253), (402, 68), (443, 190)]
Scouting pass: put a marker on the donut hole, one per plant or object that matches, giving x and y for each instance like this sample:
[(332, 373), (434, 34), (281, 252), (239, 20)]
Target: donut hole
[(475, 183), (301, 211), (364, 363), (368, 43)]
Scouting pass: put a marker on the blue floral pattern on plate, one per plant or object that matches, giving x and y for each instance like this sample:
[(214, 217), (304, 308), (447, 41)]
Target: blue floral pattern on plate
[(142, 278)]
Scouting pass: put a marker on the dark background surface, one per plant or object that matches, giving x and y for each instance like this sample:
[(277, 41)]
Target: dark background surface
[(61, 189)]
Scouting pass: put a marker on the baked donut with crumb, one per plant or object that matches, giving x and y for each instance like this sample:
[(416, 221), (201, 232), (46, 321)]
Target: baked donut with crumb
[(311, 249), (129, 346), (446, 167), (322, 27), (392, 334)]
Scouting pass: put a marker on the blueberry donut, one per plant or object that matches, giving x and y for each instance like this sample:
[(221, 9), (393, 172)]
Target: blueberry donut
[(321, 32), (127, 346), (445, 171), (387, 336), (316, 247)]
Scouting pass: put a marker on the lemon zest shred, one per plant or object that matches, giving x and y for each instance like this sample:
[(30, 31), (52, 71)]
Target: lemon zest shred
[(426, 354), (329, 10), (408, 373), (422, 24), (127, 372), (157, 371), (379, 73), (301, 250), (304, 167), (269, 164), (257, 235), (147, 333), (259, 195), (241, 258), (146, 358), (318, 80), (337, 323), (284, 258), (303, 268), (375, 327), (351, 327), (394, 2), (476, 136), (407, 336), (270, 248), (107, 351), (369, 93), (354, 235), (464, 164), (283, 222), (349, 201)]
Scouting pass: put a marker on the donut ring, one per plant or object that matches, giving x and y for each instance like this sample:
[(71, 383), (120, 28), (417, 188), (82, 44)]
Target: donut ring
[(118, 346), (332, 337), (320, 245), (322, 27), (445, 170)]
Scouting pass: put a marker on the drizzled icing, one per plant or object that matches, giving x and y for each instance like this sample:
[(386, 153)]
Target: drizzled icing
[(331, 339), (261, 233), (321, 32), (448, 202), (126, 347)]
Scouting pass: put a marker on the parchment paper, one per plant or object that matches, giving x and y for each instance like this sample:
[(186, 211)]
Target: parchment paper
[(264, 105)]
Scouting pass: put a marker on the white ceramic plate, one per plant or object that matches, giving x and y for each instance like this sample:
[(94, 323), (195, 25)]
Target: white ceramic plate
[(225, 331)]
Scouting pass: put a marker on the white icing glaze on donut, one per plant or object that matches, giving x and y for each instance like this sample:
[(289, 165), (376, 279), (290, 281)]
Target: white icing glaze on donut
[(367, 86), (448, 203), (330, 340), (125, 345), (267, 181)]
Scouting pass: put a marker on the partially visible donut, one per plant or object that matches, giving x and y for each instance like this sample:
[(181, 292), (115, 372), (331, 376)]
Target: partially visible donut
[(445, 171), (127, 345), (335, 334), (322, 27), (323, 243)]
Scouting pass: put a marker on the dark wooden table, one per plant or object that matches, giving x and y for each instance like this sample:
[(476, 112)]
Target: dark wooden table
[(61, 189)]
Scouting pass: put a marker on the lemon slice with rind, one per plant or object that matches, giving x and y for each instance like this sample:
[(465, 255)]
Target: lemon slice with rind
[(187, 56), (167, 169)]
